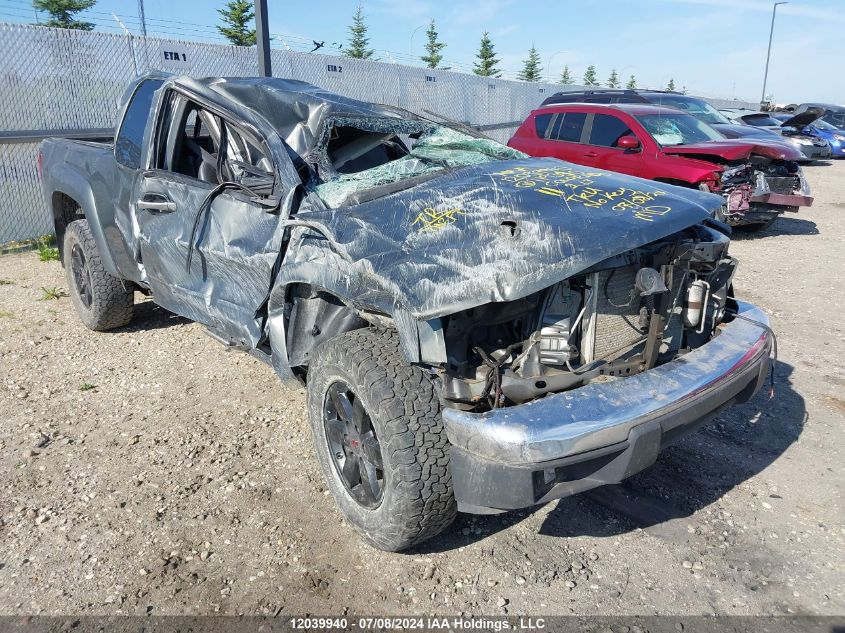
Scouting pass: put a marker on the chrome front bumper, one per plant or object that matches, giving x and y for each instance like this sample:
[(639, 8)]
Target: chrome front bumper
[(603, 431)]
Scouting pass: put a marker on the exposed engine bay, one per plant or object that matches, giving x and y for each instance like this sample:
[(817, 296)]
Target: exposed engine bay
[(634, 311), (762, 186)]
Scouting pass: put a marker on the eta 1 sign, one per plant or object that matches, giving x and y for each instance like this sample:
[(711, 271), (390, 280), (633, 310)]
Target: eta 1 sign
[(175, 56)]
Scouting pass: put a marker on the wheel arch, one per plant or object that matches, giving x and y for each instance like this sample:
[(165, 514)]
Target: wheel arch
[(72, 199), (300, 318), (65, 209)]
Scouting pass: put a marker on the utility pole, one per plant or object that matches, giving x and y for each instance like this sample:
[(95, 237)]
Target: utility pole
[(142, 17), (769, 53), (262, 38)]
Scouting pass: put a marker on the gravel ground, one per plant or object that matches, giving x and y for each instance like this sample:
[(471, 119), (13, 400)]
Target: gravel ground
[(148, 470)]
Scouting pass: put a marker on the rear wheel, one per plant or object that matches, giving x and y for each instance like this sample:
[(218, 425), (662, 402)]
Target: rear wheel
[(102, 300), (379, 438)]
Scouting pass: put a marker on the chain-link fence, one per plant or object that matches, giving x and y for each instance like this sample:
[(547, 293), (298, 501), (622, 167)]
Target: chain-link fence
[(60, 82)]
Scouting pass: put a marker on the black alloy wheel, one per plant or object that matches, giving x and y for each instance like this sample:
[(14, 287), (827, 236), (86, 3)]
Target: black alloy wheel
[(81, 275), (353, 445)]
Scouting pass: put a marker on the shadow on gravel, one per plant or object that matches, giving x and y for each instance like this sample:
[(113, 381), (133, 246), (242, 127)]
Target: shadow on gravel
[(689, 475), (695, 472), (818, 163), (784, 225), (148, 316)]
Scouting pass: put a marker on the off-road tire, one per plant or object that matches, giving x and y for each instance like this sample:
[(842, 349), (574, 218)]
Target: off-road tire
[(111, 298), (402, 403)]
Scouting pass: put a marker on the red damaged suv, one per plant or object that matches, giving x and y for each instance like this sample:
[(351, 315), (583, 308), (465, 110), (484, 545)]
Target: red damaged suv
[(758, 181)]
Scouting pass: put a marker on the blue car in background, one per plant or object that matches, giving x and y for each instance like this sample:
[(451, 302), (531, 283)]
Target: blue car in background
[(835, 136)]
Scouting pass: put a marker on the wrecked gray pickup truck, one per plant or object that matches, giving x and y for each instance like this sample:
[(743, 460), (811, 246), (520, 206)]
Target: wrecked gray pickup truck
[(477, 330)]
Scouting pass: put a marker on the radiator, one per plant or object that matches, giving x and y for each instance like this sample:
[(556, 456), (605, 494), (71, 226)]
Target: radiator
[(611, 322), (783, 184), (613, 313)]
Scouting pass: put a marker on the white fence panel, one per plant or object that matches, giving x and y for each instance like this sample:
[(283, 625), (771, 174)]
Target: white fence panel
[(54, 80)]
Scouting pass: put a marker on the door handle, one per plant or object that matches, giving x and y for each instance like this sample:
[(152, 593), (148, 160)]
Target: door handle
[(157, 204), (591, 155)]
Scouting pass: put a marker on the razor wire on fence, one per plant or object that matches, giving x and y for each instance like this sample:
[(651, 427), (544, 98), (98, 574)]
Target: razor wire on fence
[(55, 81)]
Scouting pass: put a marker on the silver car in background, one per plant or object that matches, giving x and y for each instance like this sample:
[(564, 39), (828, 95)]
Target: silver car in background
[(812, 147)]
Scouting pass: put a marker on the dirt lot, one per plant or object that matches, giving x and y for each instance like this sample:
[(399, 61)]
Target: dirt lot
[(150, 471)]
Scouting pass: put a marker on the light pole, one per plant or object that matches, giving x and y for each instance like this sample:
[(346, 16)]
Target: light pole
[(142, 17), (412, 37), (769, 53), (549, 65)]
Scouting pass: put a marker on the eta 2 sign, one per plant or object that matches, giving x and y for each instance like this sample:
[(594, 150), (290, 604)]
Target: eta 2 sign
[(174, 56)]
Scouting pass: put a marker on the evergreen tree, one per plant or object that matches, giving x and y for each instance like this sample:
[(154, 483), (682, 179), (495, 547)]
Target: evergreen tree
[(590, 78), (613, 80), (487, 60), (566, 78), (632, 83), (62, 13), (237, 17), (671, 86), (531, 70), (358, 39), (433, 47)]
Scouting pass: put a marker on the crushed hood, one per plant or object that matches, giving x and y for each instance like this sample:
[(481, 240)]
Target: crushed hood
[(733, 150), (804, 119), (493, 232)]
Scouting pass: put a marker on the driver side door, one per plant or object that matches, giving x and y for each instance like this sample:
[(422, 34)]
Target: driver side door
[(209, 250), (602, 147)]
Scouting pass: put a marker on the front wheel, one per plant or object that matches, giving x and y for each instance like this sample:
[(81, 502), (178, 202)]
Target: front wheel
[(379, 439)]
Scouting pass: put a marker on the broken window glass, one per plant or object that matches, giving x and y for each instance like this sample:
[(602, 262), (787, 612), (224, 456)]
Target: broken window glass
[(193, 149), (364, 155)]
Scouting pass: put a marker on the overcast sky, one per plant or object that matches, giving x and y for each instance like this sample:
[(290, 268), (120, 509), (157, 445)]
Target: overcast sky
[(712, 47)]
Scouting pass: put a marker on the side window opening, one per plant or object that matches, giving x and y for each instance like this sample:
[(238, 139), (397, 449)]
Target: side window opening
[(130, 137), (194, 150), (246, 162), (568, 127), (541, 124), (607, 130)]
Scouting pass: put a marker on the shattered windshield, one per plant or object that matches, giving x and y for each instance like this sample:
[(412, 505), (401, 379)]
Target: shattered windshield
[(678, 129), (360, 156)]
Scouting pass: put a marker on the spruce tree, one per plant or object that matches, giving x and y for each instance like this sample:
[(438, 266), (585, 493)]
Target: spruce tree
[(590, 78), (62, 13), (487, 60), (613, 80), (433, 46), (238, 16), (566, 78), (632, 83), (531, 70), (358, 39)]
